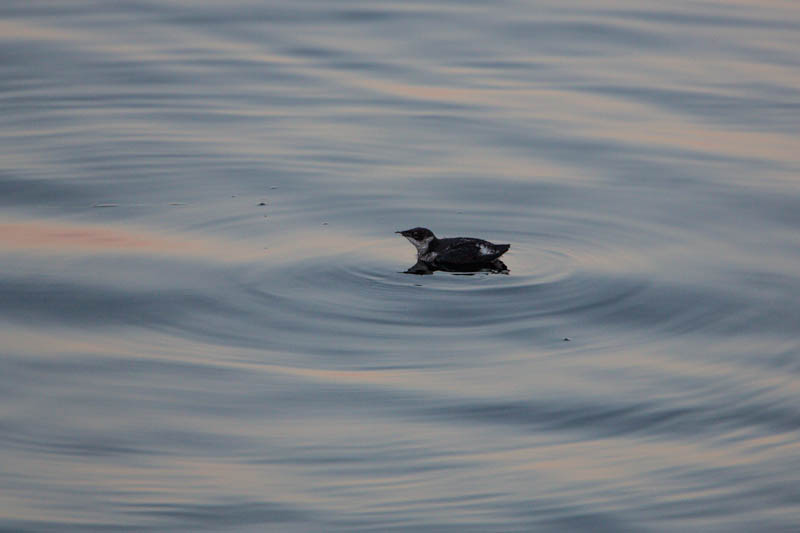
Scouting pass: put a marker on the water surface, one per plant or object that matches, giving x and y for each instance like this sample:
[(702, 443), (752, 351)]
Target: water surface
[(176, 356)]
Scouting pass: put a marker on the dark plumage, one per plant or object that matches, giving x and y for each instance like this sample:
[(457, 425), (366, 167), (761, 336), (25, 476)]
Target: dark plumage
[(456, 252)]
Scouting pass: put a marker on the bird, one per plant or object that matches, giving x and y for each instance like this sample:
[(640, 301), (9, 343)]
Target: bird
[(457, 253)]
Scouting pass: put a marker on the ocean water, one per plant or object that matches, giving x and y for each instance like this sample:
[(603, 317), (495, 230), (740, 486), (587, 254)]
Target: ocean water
[(176, 356)]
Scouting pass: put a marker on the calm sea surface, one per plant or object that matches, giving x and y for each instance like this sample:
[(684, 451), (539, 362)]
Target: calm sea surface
[(176, 356)]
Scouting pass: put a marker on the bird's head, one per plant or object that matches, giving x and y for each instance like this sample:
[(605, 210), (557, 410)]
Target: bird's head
[(421, 238)]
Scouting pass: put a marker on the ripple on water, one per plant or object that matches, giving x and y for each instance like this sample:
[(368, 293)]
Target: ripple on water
[(359, 297), (329, 290)]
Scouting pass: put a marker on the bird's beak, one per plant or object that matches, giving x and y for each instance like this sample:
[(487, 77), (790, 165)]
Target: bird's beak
[(400, 232)]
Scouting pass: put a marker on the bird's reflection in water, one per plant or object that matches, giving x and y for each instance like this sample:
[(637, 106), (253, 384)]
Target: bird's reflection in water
[(421, 268)]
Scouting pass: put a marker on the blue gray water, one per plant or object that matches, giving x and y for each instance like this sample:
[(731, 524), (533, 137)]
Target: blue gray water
[(175, 356)]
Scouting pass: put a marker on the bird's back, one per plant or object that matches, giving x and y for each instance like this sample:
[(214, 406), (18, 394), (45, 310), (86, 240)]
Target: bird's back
[(465, 250)]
